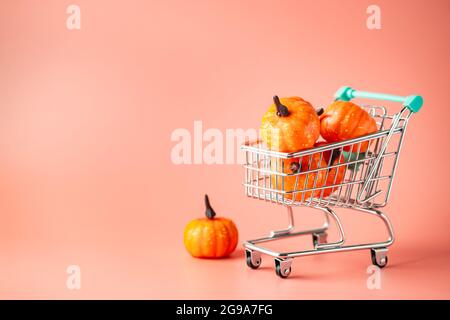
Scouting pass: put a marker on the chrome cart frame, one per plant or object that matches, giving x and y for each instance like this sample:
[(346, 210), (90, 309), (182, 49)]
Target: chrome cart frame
[(356, 174)]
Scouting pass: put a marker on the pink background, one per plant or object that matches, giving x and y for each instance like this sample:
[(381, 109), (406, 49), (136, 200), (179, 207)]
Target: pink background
[(86, 117)]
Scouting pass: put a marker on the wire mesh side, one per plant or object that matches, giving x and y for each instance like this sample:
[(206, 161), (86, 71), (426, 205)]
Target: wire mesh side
[(330, 175)]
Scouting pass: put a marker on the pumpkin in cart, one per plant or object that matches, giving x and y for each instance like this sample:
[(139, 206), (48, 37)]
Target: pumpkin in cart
[(210, 237), (335, 175), (289, 125), (344, 120), (296, 181)]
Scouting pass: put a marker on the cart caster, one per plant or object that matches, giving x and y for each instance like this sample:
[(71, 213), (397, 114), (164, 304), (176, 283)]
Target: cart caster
[(283, 268), (253, 259), (319, 238), (379, 257)]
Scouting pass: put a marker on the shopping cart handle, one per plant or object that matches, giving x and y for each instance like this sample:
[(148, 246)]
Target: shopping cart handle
[(413, 102)]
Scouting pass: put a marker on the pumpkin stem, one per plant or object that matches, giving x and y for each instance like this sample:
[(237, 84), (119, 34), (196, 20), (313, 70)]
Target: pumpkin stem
[(210, 213), (320, 111), (295, 167), (282, 110), (335, 154)]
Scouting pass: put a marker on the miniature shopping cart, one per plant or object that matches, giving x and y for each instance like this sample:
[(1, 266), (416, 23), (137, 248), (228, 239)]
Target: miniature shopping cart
[(368, 164)]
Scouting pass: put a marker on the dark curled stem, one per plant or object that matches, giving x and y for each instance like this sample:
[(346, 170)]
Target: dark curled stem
[(282, 110), (210, 213), (295, 167), (320, 111)]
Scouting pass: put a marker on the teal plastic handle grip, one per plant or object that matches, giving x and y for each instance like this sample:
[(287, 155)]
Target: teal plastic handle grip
[(413, 102)]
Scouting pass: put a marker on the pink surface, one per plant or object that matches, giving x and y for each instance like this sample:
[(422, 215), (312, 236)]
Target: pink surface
[(86, 117)]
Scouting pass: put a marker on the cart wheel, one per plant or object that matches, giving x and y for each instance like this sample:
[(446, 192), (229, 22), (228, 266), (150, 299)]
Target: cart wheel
[(253, 259), (283, 268), (379, 257), (319, 238)]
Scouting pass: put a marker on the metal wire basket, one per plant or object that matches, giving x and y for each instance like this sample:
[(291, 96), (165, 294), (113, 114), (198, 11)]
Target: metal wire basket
[(356, 174)]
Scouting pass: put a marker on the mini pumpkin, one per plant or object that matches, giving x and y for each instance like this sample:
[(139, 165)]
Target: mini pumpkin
[(344, 120), (299, 182), (336, 174), (289, 125), (210, 237)]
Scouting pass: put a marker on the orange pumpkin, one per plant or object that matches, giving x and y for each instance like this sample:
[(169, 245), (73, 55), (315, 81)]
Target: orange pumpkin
[(297, 182), (344, 120), (335, 175), (210, 237), (289, 125)]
